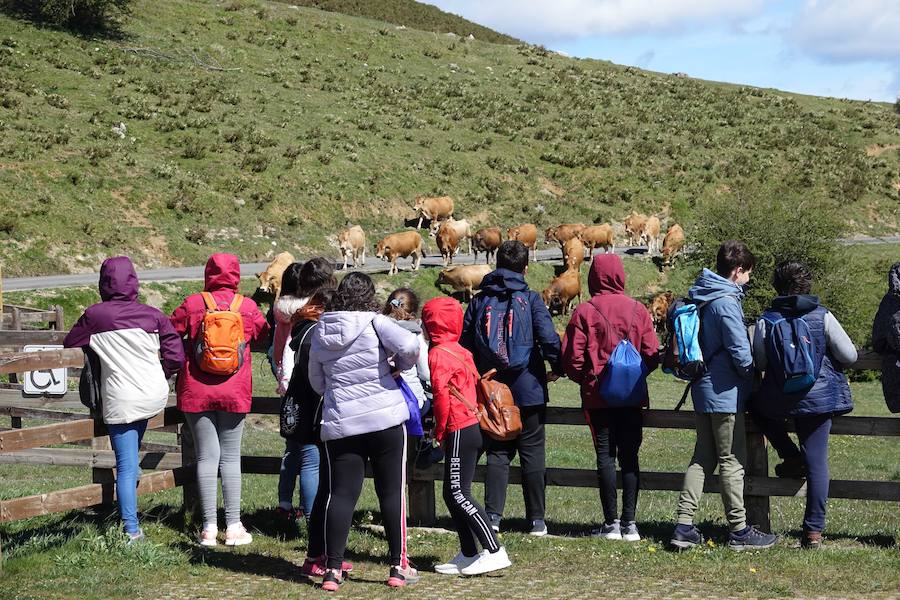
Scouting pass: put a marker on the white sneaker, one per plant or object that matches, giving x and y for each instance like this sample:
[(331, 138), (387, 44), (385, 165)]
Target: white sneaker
[(208, 536), (630, 532), (608, 532), (488, 562), (237, 535), (458, 562)]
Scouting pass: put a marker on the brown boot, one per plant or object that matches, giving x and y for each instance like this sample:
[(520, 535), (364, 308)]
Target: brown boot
[(811, 540)]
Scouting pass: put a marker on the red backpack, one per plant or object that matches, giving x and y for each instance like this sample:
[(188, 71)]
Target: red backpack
[(220, 342)]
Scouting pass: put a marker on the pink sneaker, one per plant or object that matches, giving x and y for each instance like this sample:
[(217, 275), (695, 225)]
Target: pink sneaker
[(315, 567), (237, 535), (208, 537)]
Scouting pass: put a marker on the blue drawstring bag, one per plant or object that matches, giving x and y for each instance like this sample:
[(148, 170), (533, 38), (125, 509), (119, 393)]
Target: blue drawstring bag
[(414, 424), (624, 378)]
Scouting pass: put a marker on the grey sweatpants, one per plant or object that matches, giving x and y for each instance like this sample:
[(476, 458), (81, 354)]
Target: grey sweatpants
[(217, 438)]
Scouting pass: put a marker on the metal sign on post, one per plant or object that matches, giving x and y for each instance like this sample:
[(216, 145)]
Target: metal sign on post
[(51, 382)]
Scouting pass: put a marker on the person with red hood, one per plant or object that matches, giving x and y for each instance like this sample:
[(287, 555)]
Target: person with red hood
[(596, 328), (214, 406), (453, 380)]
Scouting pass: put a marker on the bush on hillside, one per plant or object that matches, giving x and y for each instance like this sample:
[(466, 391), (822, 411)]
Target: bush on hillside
[(82, 15)]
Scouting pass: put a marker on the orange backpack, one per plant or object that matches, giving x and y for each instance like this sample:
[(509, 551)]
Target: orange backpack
[(220, 342)]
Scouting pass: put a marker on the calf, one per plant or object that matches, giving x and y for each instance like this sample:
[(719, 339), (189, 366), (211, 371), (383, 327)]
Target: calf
[(401, 245), (672, 243), (270, 279), (562, 233), (462, 228), (447, 242), (651, 234), (352, 242), (561, 291), (634, 227), (433, 208), (659, 311), (463, 277), (527, 234), (597, 236), (487, 240), (573, 254)]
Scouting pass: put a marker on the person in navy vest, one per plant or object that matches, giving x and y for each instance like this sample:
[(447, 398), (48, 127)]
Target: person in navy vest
[(812, 410)]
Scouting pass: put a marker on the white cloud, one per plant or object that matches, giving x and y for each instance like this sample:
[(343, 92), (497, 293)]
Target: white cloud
[(540, 20), (849, 30)]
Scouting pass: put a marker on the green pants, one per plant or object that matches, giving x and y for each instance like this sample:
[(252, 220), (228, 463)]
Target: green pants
[(722, 442)]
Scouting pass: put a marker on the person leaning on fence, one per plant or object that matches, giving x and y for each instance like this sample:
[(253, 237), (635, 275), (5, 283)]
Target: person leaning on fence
[(820, 389), (301, 455), (456, 425), (508, 327), (215, 401), (597, 327), (720, 396), (363, 418), (135, 349), (886, 339)]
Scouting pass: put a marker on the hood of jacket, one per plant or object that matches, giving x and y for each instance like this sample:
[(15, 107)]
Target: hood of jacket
[(499, 281), (607, 275), (711, 286), (118, 281), (413, 325), (795, 305), (223, 271), (286, 306), (894, 279), (443, 319), (338, 330)]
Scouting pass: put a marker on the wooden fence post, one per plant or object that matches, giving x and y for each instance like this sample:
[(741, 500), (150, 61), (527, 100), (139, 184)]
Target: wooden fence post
[(190, 491), (58, 322), (421, 502), (758, 507)]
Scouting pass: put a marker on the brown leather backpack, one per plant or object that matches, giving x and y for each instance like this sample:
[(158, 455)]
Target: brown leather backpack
[(498, 415)]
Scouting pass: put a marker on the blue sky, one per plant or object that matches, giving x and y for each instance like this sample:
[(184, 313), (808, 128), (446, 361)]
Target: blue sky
[(842, 48)]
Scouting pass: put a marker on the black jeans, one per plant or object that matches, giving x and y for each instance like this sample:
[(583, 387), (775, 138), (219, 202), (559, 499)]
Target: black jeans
[(472, 524), (346, 471), (617, 433), (531, 448)]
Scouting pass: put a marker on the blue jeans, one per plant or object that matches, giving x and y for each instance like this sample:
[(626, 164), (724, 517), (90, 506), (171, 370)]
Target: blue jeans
[(126, 441), (302, 459)]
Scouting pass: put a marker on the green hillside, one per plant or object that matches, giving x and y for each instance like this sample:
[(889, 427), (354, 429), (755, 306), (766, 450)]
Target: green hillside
[(253, 127)]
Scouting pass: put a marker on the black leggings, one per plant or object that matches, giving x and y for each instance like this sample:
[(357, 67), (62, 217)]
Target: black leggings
[(617, 432), (347, 469), (471, 522)]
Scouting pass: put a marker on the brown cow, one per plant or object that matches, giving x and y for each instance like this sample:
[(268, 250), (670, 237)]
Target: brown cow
[(659, 310), (401, 245), (352, 242), (562, 233), (463, 277), (634, 227), (270, 279), (447, 242), (462, 228), (573, 254), (672, 243), (487, 240), (527, 234), (650, 236), (562, 290), (596, 236), (433, 208)]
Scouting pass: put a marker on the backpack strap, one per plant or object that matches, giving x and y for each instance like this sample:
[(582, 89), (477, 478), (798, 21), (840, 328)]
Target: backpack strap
[(236, 303), (459, 358), (209, 301), (609, 325), (458, 395), (453, 389)]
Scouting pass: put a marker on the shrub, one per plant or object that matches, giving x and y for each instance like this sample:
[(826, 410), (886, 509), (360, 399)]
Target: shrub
[(85, 15)]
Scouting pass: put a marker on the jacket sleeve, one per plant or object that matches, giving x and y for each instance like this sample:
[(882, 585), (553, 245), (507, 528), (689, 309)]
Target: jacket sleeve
[(181, 320), (440, 378), (80, 334), (839, 343), (759, 346), (260, 326), (544, 333), (422, 368), (886, 328), (316, 370), (403, 344), (171, 349), (467, 337), (734, 336), (574, 348), (649, 348)]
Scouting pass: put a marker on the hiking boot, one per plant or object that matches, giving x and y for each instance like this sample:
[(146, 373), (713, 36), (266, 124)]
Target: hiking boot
[(402, 576), (460, 561), (237, 535), (751, 538), (488, 562), (630, 532), (332, 581), (538, 528), (686, 537), (811, 540), (609, 531), (495, 522), (791, 468), (208, 537)]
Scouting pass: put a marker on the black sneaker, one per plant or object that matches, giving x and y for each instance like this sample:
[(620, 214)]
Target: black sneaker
[(686, 537), (751, 539), (495, 522), (791, 468)]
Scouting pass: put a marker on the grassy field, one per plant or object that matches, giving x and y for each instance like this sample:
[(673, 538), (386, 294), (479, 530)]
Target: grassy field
[(249, 126)]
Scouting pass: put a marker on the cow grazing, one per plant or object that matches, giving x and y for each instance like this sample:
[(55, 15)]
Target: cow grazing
[(634, 227), (401, 245), (433, 208), (462, 228), (597, 236), (465, 278), (562, 290), (672, 243), (527, 234), (352, 242), (562, 233), (447, 242), (487, 240), (573, 254), (650, 236), (270, 279), (659, 310)]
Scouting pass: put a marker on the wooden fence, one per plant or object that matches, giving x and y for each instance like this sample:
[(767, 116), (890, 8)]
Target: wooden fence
[(174, 468)]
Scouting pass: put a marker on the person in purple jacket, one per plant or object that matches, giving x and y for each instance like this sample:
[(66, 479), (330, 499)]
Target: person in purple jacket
[(137, 350)]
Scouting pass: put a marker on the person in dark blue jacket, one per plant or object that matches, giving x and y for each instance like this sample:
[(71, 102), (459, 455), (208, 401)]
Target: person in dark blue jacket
[(813, 410), (532, 332)]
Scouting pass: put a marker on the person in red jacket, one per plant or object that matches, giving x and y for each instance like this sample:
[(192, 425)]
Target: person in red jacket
[(453, 380), (214, 406), (597, 326)]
